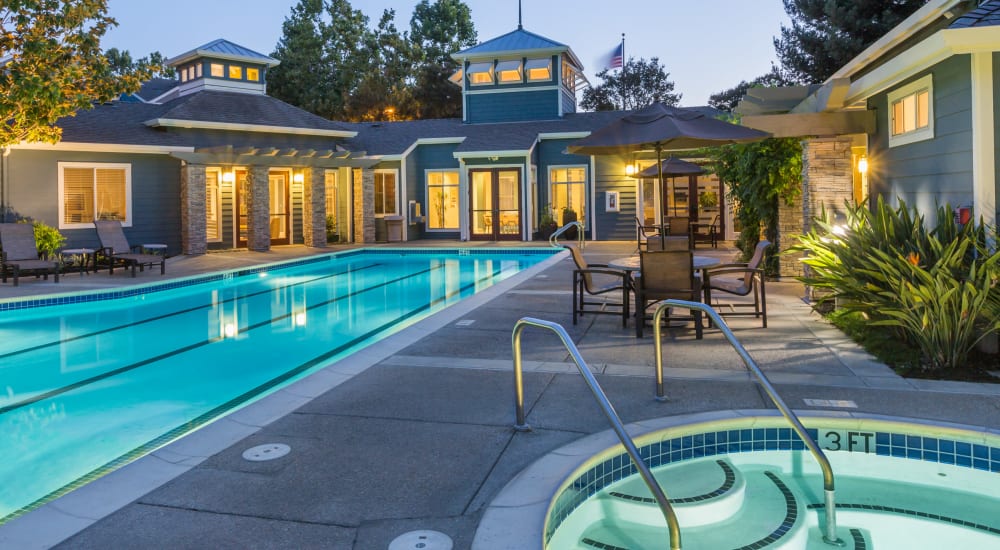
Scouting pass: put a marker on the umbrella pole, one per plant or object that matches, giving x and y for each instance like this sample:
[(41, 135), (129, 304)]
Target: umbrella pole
[(663, 191)]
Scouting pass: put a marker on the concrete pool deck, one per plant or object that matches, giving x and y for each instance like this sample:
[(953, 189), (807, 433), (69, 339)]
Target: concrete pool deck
[(416, 432)]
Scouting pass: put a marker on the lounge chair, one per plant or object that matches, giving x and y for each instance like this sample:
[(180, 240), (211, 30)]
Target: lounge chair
[(20, 254), (583, 284), (116, 250), (741, 280), (664, 275)]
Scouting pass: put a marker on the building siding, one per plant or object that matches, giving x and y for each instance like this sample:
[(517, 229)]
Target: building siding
[(936, 171), (429, 157), (513, 106), (615, 226), (34, 188)]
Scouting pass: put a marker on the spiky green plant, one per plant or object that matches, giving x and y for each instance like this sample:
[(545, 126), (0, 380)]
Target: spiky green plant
[(940, 287)]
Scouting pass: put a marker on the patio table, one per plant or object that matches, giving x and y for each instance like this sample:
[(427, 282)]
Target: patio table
[(701, 263)]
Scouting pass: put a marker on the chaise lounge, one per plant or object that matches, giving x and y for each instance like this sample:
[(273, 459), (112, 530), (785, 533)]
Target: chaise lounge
[(20, 253), (116, 250)]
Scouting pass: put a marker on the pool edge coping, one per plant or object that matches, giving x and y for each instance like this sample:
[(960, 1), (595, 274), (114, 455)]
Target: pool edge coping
[(64, 517)]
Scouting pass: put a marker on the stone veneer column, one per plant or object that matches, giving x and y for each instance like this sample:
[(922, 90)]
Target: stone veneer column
[(314, 207), (258, 209), (193, 195), (364, 205), (827, 181)]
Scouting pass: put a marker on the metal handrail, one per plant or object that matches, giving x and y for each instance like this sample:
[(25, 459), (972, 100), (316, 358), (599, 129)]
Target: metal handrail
[(554, 238), (609, 412), (830, 536)]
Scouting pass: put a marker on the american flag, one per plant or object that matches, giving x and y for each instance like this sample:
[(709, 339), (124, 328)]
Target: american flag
[(616, 57)]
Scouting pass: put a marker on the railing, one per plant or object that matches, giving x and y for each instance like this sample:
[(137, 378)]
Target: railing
[(830, 536), (554, 239), (609, 412)]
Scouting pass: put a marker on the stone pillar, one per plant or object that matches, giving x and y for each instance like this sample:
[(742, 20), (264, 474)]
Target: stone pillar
[(364, 205), (827, 182), (193, 196), (314, 207), (258, 209)]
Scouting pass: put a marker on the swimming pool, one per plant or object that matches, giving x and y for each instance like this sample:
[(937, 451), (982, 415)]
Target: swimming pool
[(741, 479), (92, 381)]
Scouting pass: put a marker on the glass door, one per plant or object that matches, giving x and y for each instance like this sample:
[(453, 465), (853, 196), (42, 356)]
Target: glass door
[(242, 193), (279, 218), (495, 200)]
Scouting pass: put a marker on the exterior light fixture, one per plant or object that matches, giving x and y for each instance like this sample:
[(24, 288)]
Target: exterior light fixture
[(228, 177), (863, 164), (629, 169), (299, 177)]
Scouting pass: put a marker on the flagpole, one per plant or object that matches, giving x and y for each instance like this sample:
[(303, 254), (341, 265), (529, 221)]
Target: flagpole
[(622, 75)]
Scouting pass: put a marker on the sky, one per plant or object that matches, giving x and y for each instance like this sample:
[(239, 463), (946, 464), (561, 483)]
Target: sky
[(706, 46)]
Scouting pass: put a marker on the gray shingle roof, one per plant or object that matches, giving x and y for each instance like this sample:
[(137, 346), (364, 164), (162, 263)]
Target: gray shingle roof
[(241, 108), (987, 14), (155, 87), (224, 49)]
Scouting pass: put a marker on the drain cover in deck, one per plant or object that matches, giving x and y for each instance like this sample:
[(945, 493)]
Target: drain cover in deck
[(269, 451), (421, 540)]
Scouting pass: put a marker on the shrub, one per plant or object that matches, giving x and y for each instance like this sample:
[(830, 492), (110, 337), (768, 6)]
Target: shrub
[(939, 287), (48, 239)]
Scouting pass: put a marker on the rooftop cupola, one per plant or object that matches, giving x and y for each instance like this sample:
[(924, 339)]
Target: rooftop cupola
[(222, 65), (516, 77)]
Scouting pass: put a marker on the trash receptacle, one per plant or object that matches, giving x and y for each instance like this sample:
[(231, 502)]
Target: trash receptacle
[(394, 228)]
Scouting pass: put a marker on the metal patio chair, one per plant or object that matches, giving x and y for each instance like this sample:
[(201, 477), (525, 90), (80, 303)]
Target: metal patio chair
[(20, 253), (116, 250), (664, 275), (584, 284), (741, 280)]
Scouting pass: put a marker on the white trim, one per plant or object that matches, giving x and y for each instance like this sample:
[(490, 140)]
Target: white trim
[(427, 195), (488, 154), (918, 134), (127, 167), (984, 183), (586, 184), (218, 182), (464, 221), (510, 90), (208, 54), (206, 125), (592, 175), (103, 148), (563, 135), (395, 173)]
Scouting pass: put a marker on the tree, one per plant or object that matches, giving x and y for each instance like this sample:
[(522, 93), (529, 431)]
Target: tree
[(825, 35), (384, 87), (121, 61), (53, 66), (345, 37), (639, 84), (303, 78), (727, 100), (438, 30)]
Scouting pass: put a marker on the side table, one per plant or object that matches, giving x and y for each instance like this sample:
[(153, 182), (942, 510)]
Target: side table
[(158, 249), (85, 259)]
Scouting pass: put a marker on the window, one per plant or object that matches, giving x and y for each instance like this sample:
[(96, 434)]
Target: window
[(568, 189), (539, 69), (235, 72), (197, 70), (217, 70), (330, 182), (385, 193), (569, 77), (911, 113), (481, 73), (213, 206), (253, 75), (89, 192), (509, 72), (184, 75), (442, 199)]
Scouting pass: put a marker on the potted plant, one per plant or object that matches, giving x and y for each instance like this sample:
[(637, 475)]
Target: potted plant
[(546, 224), (569, 216)]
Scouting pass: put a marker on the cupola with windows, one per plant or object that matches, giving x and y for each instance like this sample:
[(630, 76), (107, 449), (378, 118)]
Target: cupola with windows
[(222, 66), (517, 77)]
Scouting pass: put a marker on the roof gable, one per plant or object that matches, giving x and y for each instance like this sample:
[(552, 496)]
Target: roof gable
[(223, 49), (516, 41)]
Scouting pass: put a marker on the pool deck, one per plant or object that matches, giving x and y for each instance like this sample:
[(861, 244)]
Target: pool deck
[(416, 432)]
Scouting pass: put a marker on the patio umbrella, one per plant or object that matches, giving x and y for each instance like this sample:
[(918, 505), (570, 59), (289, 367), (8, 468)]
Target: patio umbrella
[(673, 166), (663, 128)]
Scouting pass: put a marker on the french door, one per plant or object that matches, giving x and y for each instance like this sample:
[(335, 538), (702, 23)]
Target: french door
[(495, 203), (278, 195)]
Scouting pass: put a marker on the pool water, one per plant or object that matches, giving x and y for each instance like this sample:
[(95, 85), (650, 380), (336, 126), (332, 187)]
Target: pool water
[(86, 387)]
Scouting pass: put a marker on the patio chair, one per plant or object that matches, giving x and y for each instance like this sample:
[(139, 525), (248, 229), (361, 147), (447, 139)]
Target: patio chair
[(116, 250), (20, 253), (664, 275), (584, 284), (644, 233), (708, 232), (680, 226), (741, 279)]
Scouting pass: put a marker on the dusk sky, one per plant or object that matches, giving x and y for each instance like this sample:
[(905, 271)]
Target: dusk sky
[(705, 46)]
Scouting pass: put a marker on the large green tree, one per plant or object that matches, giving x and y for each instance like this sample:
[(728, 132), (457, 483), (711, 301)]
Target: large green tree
[(121, 62), (639, 84), (437, 30), (826, 34), (53, 65), (303, 78), (384, 87)]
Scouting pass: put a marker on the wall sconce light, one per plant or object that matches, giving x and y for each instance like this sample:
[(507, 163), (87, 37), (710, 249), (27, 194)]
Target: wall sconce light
[(228, 177), (494, 159), (863, 164), (299, 177), (629, 169)]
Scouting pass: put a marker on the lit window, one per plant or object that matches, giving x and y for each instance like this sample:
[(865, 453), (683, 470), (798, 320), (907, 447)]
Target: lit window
[(197, 70), (253, 75), (385, 193), (235, 72), (509, 72), (568, 188), (184, 75), (481, 73), (331, 186), (218, 71), (442, 199), (569, 77), (539, 69), (911, 116), (213, 206), (89, 192)]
